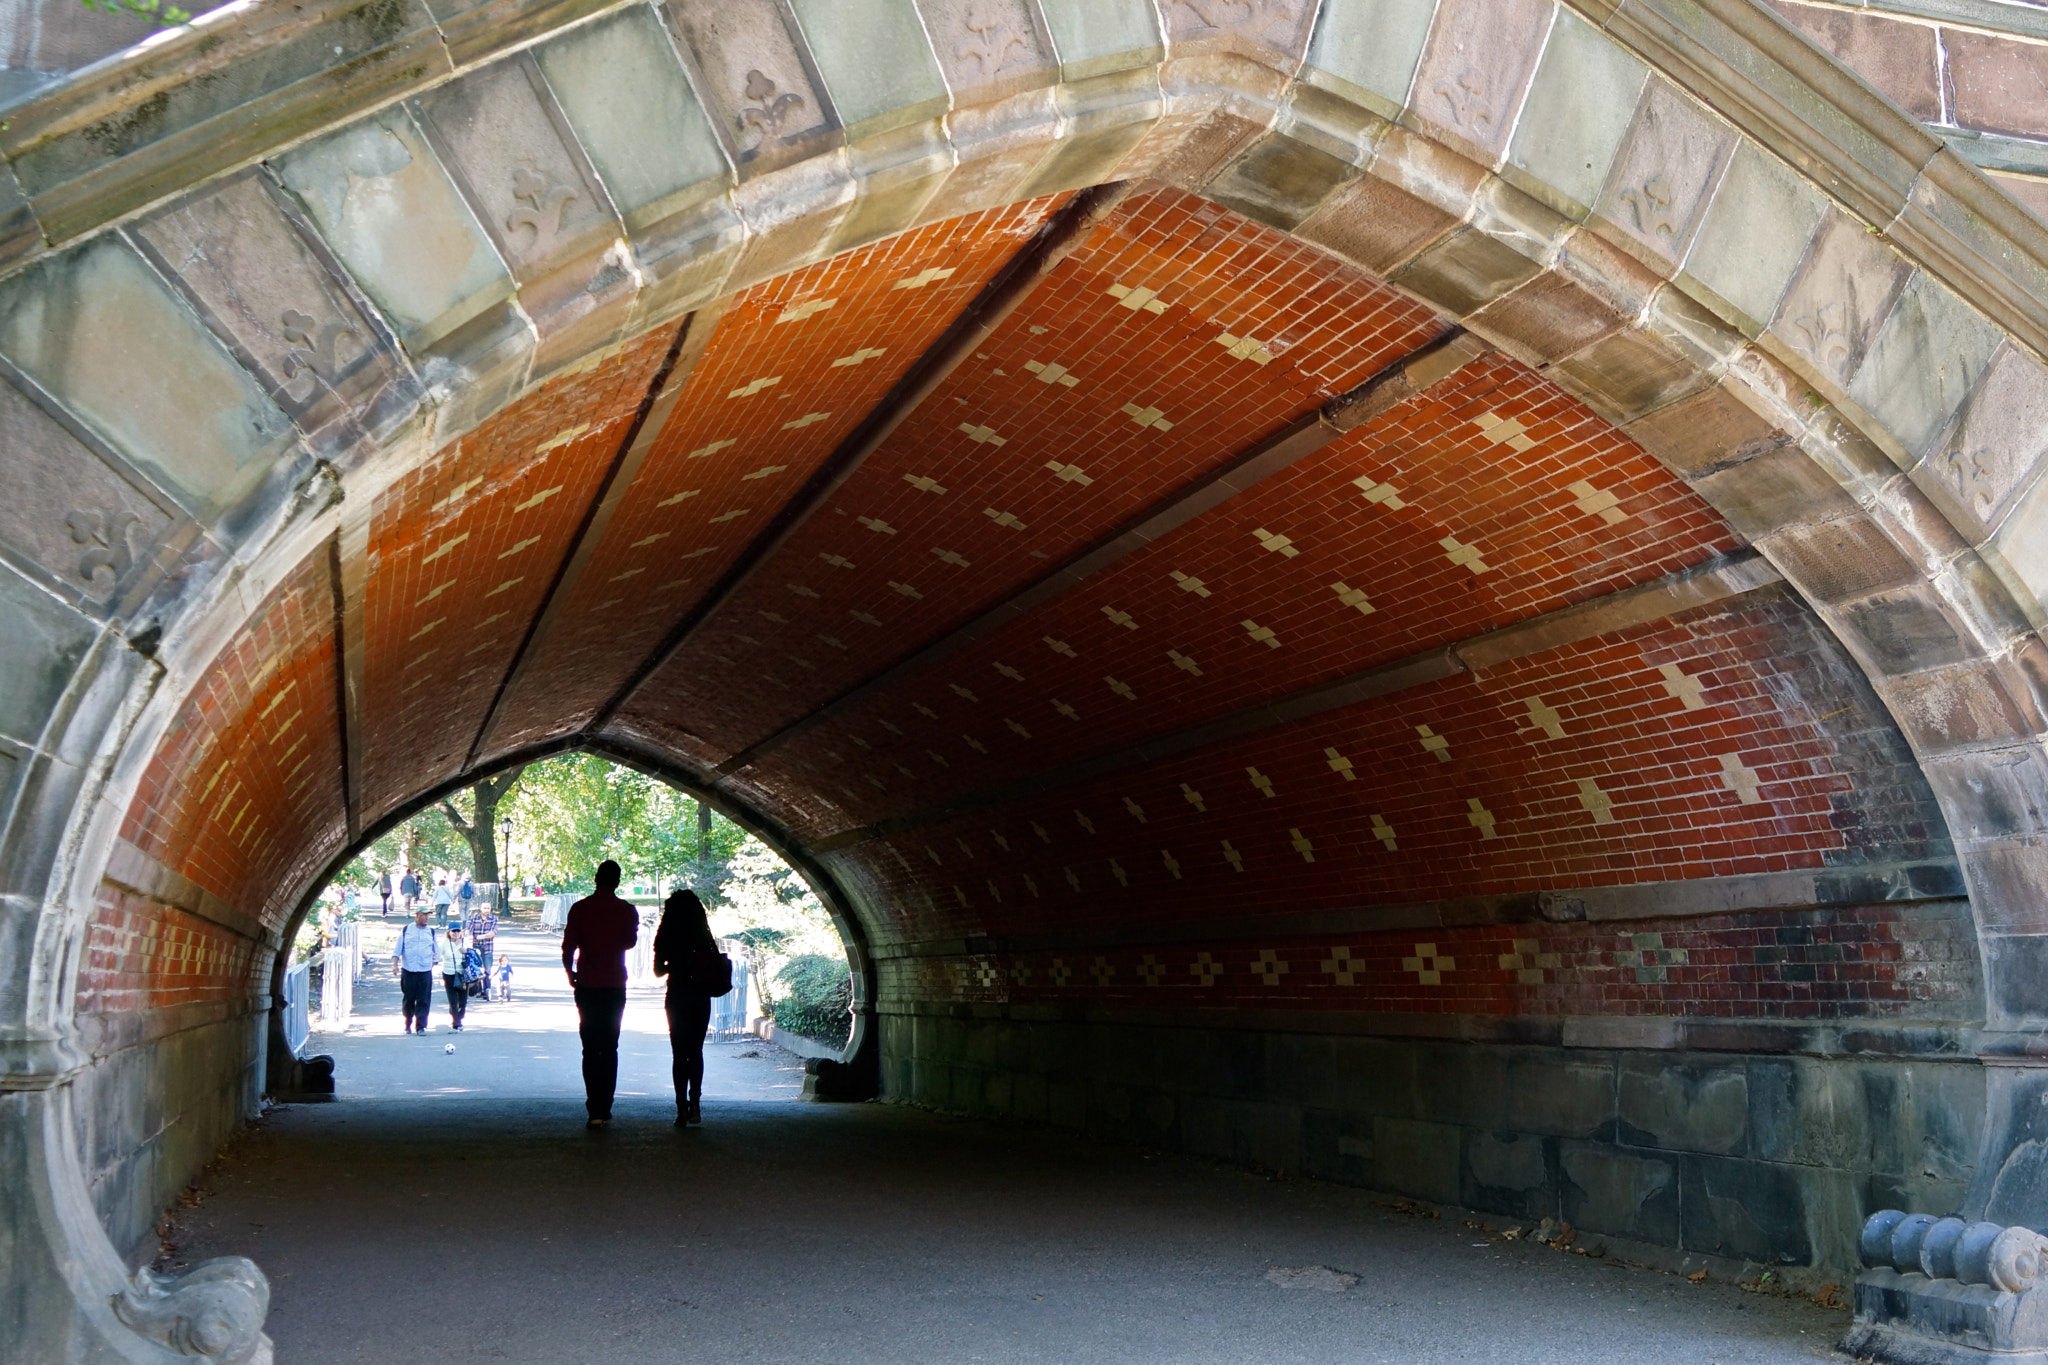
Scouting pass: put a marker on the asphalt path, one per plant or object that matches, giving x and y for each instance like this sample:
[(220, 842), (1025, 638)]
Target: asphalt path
[(452, 1207)]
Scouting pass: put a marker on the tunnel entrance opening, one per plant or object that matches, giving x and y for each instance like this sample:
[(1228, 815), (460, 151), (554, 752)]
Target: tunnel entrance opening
[(556, 818)]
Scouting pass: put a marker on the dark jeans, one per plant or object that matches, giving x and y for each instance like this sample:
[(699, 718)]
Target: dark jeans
[(416, 989), (600, 1010), (458, 997), (688, 1017)]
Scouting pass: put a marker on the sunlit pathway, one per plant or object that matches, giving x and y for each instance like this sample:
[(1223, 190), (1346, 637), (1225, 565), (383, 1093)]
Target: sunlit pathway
[(528, 1048), (452, 1207)]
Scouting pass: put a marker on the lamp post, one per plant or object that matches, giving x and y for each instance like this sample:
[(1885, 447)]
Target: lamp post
[(505, 872)]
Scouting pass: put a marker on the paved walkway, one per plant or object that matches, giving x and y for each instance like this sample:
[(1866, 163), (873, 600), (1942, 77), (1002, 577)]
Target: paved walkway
[(453, 1208)]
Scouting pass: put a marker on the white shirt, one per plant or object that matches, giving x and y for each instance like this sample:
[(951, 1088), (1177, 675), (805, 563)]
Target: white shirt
[(417, 949)]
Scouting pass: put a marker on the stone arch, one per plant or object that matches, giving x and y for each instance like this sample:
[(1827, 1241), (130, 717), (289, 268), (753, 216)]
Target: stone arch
[(1731, 251)]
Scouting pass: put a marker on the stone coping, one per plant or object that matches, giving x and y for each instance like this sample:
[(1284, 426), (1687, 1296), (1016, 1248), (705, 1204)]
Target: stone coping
[(1931, 1040)]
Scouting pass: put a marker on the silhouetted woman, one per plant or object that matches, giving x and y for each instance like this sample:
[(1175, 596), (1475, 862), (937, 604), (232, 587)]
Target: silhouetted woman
[(685, 952)]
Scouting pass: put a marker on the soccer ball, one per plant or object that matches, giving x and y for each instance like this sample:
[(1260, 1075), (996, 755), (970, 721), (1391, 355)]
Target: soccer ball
[(450, 1049)]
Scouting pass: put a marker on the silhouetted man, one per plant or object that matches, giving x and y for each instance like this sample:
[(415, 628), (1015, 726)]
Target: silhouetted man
[(600, 930)]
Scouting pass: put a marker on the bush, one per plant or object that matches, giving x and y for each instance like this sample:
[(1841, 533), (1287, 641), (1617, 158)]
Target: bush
[(818, 995)]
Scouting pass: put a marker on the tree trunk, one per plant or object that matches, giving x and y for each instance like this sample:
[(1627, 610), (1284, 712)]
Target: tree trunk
[(481, 832)]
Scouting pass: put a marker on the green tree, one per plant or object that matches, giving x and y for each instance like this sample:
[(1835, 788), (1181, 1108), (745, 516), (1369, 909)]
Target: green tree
[(479, 830)]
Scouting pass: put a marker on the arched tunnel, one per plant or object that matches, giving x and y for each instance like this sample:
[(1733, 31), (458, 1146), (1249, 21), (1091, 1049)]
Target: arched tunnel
[(1436, 595)]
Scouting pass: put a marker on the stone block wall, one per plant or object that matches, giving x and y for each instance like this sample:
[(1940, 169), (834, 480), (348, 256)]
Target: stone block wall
[(151, 1116), (1758, 1156)]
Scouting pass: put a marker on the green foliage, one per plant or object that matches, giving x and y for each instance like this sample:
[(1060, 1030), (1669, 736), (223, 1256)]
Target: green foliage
[(156, 11), (571, 813), (818, 994)]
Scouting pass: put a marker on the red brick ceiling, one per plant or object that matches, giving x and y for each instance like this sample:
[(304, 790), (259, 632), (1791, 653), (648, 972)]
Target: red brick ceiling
[(1172, 339)]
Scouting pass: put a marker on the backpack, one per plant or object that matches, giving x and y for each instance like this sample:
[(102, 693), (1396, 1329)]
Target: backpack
[(711, 973)]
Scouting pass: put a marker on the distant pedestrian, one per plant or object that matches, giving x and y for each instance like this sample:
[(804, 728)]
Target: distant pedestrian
[(483, 933), (348, 903), (600, 930), (505, 977), (464, 899), (455, 970), (444, 900), (409, 887), (413, 961), (384, 890), (688, 956)]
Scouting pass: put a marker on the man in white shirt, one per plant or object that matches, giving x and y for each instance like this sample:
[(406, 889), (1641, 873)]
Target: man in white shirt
[(413, 961)]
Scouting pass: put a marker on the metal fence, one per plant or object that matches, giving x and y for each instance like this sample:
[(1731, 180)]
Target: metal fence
[(337, 985), (729, 1012), (297, 1025)]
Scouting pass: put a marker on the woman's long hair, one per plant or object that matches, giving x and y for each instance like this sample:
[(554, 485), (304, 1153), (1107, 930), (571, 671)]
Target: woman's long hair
[(685, 924)]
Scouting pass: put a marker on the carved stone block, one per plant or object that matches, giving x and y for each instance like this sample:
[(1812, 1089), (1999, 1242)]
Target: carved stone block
[(213, 1312), (66, 511), (1940, 1291), (261, 286), (1997, 445), (1475, 70), (1834, 307), (758, 81), (1660, 184), (989, 49), (1927, 357)]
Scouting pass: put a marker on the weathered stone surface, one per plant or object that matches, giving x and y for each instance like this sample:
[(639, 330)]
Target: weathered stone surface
[(1621, 1193), (1923, 363), (388, 210), (1749, 1210), (193, 419), (261, 285), (1898, 58), (1997, 83), (1696, 1108), (1371, 46), (45, 643), (1843, 292), (1475, 70), (1997, 446), (1754, 234), (1580, 107), (1665, 175), (758, 81), (86, 526), (876, 61), (1093, 37)]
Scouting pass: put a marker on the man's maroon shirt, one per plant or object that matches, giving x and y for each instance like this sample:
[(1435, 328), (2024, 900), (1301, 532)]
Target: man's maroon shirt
[(603, 927)]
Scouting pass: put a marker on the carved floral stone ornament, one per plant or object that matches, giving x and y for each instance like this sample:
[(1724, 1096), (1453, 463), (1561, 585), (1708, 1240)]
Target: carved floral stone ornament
[(313, 351), (545, 205), (212, 1313), (105, 537), (770, 112), (1942, 1289), (990, 38)]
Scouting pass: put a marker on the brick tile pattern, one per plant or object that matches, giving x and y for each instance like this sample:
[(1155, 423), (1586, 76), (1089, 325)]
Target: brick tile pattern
[(1487, 501), (1220, 329), (1858, 962), (143, 955), (243, 795), (1722, 742), (793, 367), (463, 549)]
